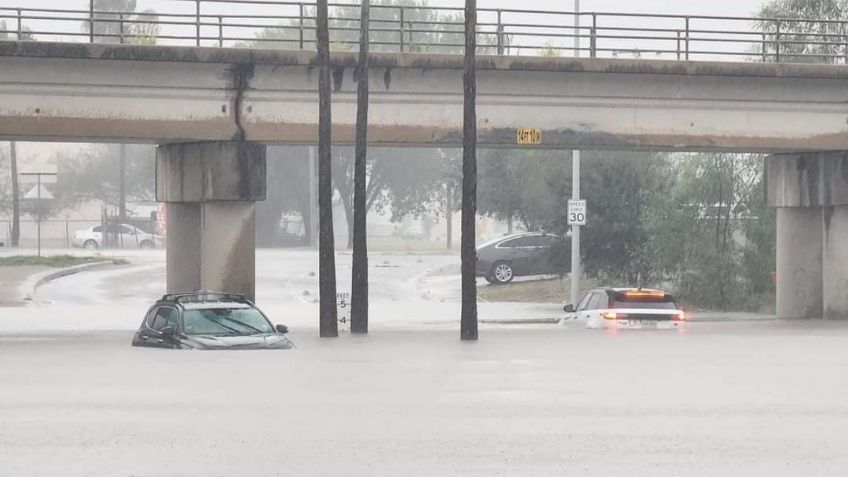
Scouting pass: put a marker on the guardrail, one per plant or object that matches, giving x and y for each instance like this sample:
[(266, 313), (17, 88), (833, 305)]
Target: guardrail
[(291, 25)]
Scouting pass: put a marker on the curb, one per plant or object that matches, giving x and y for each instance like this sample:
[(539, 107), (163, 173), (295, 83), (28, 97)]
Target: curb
[(30, 286)]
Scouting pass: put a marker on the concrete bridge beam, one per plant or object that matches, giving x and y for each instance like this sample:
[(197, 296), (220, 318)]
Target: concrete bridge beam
[(810, 192), (210, 189)]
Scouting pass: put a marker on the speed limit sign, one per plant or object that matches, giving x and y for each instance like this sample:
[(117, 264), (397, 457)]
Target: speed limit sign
[(576, 212)]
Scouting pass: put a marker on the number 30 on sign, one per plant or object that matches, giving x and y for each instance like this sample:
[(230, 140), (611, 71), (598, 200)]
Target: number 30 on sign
[(576, 212)]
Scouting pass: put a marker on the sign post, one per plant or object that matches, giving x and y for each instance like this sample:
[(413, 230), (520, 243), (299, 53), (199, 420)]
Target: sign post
[(575, 185), (38, 193)]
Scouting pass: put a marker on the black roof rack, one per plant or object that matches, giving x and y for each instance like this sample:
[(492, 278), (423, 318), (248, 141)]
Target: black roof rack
[(206, 297)]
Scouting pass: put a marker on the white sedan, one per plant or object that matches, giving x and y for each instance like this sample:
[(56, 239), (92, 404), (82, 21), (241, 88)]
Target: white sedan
[(626, 308), (120, 236)]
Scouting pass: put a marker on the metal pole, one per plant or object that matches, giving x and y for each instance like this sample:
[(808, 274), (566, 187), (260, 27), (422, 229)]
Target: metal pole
[(500, 34), (401, 29), (221, 31), (121, 27), (91, 21), (687, 38), (593, 47), (20, 27), (575, 188), (576, 27), (197, 20), (38, 214), (301, 26), (777, 43)]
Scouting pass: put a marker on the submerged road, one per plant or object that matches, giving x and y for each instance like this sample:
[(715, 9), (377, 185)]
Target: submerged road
[(763, 398)]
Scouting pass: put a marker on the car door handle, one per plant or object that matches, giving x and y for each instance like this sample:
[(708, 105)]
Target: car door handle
[(144, 338)]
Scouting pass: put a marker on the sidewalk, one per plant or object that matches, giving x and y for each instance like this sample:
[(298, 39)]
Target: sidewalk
[(11, 280)]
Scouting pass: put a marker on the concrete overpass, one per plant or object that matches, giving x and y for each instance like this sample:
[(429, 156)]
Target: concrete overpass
[(210, 109), (95, 92)]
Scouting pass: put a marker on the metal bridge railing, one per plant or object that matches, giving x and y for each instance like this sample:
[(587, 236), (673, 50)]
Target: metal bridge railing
[(291, 25)]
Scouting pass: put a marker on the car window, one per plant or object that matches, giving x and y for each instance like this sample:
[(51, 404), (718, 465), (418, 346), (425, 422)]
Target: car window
[(225, 321), (126, 230), (536, 241), (520, 242), (603, 301), (593, 302), (583, 302), (97, 229), (510, 243), (165, 316)]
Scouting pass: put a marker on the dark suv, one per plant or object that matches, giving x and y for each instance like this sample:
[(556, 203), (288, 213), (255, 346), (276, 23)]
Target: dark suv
[(209, 320), (532, 253)]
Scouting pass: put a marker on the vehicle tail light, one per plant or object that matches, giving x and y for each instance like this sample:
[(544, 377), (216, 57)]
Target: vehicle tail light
[(680, 316), (610, 315)]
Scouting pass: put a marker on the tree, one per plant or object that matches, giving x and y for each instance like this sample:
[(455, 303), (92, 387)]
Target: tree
[(328, 318), (116, 21), (288, 192), (6, 34), (468, 327), (93, 173), (359, 282), (699, 237), (802, 39)]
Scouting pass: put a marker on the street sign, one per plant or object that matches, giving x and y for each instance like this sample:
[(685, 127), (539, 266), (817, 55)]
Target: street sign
[(38, 192), (529, 136), (576, 212), (343, 309)]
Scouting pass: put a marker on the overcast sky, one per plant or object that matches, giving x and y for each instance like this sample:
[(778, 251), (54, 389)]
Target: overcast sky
[(694, 7), (744, 8)]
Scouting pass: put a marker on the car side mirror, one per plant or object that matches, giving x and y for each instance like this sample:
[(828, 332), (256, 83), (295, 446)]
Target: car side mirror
[(282, 329), (568, 308), (168, 331)]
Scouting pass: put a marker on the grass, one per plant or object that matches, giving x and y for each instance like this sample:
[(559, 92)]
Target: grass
[(549, 290), (56, 261)]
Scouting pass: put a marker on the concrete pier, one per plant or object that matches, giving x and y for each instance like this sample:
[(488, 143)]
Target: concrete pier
[(210, 189), (810, 192)]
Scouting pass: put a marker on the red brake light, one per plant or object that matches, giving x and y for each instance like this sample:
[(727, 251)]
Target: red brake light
[(681, 316), (610, 315)]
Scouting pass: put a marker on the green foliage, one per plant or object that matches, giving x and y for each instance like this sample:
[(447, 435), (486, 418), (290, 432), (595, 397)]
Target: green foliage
[(804, 41), (57, 261), (713, 238), (117, 18), (94, 174), (696, 224)]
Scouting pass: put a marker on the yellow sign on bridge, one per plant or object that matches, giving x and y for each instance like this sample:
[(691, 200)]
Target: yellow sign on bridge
[(529, 136)]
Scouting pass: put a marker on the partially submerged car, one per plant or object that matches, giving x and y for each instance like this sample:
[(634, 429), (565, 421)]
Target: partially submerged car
[(626, 308), (502, 259), (209, 320)]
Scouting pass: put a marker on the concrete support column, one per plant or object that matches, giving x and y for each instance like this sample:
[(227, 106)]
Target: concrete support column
[(810, 191), (835, 262), (210, 189), (183, 256), (228, 247), (799, 263)]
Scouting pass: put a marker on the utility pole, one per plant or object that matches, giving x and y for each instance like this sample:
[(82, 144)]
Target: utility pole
[(575, 183), (328, 314), (468, 252), (359, 282), (16, 196)]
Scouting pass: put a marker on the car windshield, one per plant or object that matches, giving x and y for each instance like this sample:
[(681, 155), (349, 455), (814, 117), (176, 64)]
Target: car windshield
[(225, 321)]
